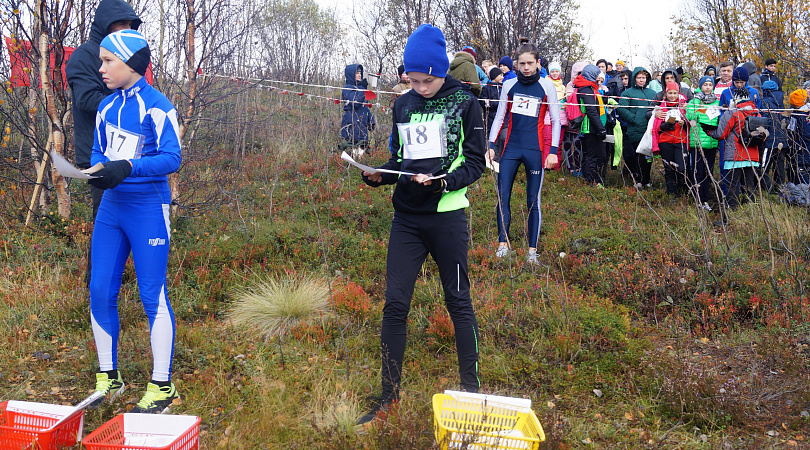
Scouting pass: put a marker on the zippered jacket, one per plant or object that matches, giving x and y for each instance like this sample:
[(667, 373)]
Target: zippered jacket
[(442, 135), (139, 124)]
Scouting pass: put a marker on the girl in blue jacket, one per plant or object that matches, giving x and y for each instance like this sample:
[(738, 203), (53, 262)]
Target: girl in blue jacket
[(136, 144)]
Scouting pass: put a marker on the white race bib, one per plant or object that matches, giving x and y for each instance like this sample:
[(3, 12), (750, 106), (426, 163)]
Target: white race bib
[(712, 112), (122, 144), (423, 140), (525, 105)]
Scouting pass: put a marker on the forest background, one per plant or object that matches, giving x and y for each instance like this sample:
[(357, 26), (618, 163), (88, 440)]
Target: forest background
[(644, 326)]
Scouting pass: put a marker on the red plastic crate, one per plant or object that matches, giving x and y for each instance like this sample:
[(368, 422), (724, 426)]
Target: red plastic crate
[(146, 432), (28, 425)]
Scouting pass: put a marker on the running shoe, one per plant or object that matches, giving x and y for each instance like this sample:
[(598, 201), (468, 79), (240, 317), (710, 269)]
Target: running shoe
[(110, 388), (157, 399)]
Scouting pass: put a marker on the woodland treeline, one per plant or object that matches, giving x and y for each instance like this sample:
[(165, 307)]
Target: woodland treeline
[(201, 49)]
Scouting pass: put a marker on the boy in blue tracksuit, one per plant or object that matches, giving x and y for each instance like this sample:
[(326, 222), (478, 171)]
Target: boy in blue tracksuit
[(137, 141)]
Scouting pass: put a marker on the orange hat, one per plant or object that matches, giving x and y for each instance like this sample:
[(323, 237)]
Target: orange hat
[(798, 98), (620, 62)]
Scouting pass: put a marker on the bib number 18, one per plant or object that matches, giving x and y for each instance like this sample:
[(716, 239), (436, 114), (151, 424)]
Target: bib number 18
[(422, 140)]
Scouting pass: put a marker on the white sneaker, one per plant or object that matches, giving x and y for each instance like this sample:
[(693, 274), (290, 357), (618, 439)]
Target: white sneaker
[(502, 252), (707, 207), (531, 258)]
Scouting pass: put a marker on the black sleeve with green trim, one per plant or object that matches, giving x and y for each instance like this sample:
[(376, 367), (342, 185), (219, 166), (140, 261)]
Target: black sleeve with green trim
[(394, 162)]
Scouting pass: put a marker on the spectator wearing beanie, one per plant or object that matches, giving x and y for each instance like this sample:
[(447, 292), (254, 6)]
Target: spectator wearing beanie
[(436, 129), (593, 129), (402, 86), (490, 94), (555, 75), (739, 160), (800, 125), (670, 138), (798, 99), (482, 73), (507, 67), (739, 79), (704, 108), (463, 69)]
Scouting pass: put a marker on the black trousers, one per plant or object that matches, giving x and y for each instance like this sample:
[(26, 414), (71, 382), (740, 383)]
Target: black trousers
[(594, 158), (637, 164), (674, 157), (745, 176), (703, 165), (414, 236)]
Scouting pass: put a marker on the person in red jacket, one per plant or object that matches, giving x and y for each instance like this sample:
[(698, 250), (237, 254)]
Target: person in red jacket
[(671, 139), (742, 162)]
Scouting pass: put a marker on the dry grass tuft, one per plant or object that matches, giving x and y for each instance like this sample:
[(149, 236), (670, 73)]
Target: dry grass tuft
[(274, 306)]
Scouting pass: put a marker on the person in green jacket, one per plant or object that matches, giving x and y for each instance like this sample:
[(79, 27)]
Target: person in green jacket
[(462, 68), (704, 108), (633, 106)]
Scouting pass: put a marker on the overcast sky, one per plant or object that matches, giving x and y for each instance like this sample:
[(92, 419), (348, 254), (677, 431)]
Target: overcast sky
[(616, 29)]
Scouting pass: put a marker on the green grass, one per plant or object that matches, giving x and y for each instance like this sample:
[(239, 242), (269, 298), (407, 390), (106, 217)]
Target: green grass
[(695, 338)]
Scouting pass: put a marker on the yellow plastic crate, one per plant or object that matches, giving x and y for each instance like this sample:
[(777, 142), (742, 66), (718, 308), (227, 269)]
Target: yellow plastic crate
[(480, 425)]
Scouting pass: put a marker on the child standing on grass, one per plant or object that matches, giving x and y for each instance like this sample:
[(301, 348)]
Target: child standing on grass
[(137, 141), (357, 118), (438, 134), (526, 100), (703, 108), (741, 158), (671, 139)]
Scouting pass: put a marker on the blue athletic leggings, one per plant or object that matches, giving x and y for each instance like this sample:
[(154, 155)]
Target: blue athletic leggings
[(143, 229), (509, 164)]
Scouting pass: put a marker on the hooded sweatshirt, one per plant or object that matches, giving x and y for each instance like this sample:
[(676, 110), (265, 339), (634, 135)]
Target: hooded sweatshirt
[(85, 80), (686, 92), (640, 99), (452, 117), (592, 103), (462, 68), (357, 118)]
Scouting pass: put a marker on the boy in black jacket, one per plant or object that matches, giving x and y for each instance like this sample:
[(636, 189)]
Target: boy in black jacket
[(438, 135)]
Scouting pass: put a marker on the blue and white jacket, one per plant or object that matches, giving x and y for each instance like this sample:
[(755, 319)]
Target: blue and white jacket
[(525, 125), (139, 124)]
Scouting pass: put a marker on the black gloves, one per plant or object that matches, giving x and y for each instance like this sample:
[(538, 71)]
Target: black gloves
[(667, 126), (601, 134), (112, 174), (708, 129)]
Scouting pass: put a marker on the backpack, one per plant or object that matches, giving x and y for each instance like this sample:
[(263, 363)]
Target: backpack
[(573, 111), (754, 131)]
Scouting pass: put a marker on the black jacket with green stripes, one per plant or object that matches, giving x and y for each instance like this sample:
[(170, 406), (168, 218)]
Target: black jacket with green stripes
[(458, 109)]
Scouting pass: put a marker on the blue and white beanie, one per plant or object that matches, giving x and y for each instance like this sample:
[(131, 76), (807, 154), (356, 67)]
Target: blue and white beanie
[(129, 46)]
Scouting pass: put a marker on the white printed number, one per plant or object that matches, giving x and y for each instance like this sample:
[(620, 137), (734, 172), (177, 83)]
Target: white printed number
[(422, 140), (122, 144)]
